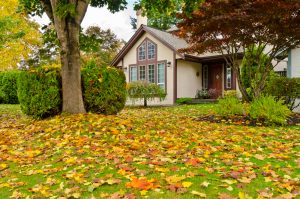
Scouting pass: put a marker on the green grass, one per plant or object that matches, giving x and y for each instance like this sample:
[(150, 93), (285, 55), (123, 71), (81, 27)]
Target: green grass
[(65, 155)]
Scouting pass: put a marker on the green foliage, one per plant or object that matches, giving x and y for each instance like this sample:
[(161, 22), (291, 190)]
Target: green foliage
[(184, 100), (230, 106), (104, 89), (267, 109), (145, 90), (65, 9), (8, 87), (39, 92), (255, 66), (283, 88), (230, 93), (202, 94)]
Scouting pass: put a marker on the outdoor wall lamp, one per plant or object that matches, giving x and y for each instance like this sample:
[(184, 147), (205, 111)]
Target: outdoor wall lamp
[(125, 69), (169, 64)]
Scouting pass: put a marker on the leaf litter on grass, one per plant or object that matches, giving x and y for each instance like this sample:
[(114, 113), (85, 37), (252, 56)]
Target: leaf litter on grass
[(155, 152)]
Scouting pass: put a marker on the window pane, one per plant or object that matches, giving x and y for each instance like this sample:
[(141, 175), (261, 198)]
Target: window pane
[(151, 73), (161, 75), (228, 77), (142, 73), (142, 52), (151, 50), (133, 73)]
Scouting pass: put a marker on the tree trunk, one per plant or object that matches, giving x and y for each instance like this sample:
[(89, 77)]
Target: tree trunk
[(145, 102), (68, 29), (70, 59)]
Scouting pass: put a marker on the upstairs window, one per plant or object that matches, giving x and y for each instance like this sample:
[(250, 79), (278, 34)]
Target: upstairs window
[(142, 52), (151, 50)]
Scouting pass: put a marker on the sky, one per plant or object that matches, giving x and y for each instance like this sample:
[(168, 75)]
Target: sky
[(118, 22)]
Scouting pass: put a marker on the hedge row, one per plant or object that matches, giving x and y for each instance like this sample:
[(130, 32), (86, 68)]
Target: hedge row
[(8, 87), (39, 90)]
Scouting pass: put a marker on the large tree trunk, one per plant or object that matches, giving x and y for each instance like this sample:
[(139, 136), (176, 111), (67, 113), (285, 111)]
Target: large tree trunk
[(68, 29), (71, 78)]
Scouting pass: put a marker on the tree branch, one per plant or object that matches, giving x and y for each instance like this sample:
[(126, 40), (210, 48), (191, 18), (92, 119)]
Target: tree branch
[(48, 9)]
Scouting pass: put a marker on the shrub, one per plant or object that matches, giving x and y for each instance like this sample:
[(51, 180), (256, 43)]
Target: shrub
[(269, 110), (145, 90), (104, 89), (39, 92), (184, 100), (8, 87), (229, 106), (286, 89), (230, 93), (202, 94)]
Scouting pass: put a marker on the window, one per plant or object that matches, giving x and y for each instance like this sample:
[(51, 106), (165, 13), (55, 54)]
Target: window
[(205, 77), (228, 77), (161, 75), (142, 52), (151, 73), (142, 73), (133, 73), (151, 50)]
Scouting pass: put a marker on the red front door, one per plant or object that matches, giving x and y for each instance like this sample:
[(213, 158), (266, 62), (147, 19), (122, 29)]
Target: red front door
[(215, 79)]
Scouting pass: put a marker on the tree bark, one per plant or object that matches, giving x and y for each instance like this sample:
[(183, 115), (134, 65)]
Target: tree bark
[(68, 29), (145, 102), (71, 78)]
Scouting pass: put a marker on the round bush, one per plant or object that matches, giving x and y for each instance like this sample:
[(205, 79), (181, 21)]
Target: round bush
[(39, 92), (8, 87), (104, 89)]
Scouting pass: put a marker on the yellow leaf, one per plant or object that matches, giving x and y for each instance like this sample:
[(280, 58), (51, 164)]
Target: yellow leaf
[(201, 195), (143, 192), (186, 184), (242, 195)]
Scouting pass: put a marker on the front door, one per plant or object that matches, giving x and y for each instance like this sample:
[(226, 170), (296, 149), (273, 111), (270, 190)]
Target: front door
[(215, 79)]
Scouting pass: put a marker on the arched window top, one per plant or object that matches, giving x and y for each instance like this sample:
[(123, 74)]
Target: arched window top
[(151, 50), (142, 51)]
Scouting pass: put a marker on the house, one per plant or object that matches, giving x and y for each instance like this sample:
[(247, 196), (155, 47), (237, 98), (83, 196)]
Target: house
[(293, 68), (154, 55)]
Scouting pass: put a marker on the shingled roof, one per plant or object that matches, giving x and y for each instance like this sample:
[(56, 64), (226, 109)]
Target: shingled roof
[(170, 40)]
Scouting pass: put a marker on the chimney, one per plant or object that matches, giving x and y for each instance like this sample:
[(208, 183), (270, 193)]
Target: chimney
[(141, 20)]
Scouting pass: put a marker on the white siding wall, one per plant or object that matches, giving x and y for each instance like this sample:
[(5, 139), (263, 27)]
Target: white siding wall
[(187, 80), (294, 67), (163, 54)]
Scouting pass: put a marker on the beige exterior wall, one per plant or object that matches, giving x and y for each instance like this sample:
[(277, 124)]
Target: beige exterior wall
[(189, 78), (163, 54)]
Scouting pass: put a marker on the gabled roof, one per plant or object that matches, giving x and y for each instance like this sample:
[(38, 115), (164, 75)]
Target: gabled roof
[(168, 39)]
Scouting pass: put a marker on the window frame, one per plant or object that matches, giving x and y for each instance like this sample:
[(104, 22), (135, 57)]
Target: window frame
[(150, 43), (144, 46), (228, 71), (130, 73), (165, 75)]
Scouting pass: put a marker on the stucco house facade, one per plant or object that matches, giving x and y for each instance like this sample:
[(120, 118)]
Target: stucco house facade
[(153, 55)]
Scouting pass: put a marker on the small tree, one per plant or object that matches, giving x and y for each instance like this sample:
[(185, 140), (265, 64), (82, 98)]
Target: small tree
[(145, 90), (256, 67), (230, 27)]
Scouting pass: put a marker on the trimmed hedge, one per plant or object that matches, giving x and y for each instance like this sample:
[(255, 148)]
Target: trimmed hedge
[(284, 88), (8, 87), (39, 92), (104, 89)]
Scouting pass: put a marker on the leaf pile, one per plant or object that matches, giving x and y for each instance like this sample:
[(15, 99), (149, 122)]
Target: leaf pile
[(153, 152)]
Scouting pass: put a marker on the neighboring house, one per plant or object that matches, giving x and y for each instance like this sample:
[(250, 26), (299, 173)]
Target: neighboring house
[(293, 68), (153, 55)]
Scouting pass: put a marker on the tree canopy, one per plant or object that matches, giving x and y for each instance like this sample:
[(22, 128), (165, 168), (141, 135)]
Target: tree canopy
[(229, 27), (18, 35)]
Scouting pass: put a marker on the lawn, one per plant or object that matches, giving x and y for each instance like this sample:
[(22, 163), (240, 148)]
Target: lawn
[(160, 152)]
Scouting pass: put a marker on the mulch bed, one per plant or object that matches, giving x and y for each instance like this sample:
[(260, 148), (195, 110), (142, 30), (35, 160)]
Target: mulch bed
[(293, 120)]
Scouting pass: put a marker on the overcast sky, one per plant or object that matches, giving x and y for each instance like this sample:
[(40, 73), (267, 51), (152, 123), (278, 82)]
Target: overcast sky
[(119, 22)]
